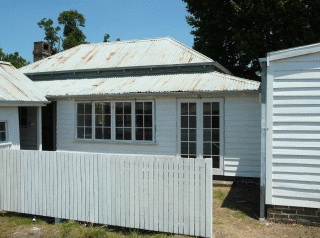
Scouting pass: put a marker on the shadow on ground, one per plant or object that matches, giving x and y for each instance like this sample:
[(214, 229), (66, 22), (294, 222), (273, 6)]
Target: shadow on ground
[(244, 198)]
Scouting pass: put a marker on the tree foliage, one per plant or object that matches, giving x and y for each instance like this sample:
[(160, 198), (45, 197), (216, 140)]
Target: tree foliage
[(237, 32), (15, 59), (51, 33), (72, 20)]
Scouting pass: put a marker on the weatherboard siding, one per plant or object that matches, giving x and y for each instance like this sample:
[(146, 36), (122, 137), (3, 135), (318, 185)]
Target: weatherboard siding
[(293, 176), (165, 144), (242, 136), (11, 116)]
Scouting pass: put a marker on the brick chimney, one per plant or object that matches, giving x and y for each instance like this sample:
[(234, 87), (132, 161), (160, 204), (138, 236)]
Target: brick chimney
[(41, 50)]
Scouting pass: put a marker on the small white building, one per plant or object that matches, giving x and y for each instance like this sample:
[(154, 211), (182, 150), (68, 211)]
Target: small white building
[(153, 96), (292, 138), (20, 110)]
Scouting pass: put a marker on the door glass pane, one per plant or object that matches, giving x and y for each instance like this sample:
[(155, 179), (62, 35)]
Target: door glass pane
[(211, 132), (188, 130)]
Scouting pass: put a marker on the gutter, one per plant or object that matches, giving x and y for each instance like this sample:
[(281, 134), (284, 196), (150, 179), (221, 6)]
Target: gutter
[(135, 68), (182, 94)]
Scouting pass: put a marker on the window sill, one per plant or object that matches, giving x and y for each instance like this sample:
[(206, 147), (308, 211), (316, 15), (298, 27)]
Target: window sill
[(2, 144), (115, 142)]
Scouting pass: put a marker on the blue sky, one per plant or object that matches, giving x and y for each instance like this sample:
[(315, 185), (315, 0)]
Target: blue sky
[(124, 19)]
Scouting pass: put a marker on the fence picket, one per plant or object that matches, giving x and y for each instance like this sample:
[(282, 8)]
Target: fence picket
[(147, 192)]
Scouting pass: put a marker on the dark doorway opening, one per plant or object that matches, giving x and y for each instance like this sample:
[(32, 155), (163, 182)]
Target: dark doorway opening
[(49, 127)]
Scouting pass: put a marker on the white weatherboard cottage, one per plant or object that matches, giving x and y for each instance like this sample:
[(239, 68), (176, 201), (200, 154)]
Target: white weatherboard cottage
[(20, 110), (155, 97), (292, 136)]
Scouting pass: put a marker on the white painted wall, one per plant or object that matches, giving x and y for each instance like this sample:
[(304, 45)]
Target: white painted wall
[(293, 135), (242, 136), (242, 133), (11, 116)]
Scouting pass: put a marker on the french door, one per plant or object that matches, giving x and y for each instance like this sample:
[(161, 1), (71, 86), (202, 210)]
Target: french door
[(201, 130)]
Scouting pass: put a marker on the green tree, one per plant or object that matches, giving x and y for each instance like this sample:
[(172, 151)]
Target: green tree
[(71, 21), (237, 32), (51, 33), (15, 59)]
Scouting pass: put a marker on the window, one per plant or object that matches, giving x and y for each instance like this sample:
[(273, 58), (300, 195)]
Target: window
[(3, 133), (144, 121), (115, 120), (103, 120), (123, 121), (188, 130), (84, 120)]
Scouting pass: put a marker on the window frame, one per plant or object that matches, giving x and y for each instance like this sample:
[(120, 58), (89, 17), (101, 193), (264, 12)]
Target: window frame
[(113, 122), (5, 131)]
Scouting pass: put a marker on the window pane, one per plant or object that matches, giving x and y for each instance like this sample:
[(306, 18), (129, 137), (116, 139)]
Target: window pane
[(192, 148), (80, 132), (107, 120), (206, 108), (107, 109), (99, 120), (184, 121), (192, 122), (206, 135), (107, 133), (119, 108), (99, 133), (215, 149), (184, 148), (119, 134), (127, 121), (2, 136), (139, 134), (127, 108), (215, 108), (215, 135), (216, 162), (192, 135), (207, 148), (206, 122), (127, 133), (119, 121), (88, 132), (2, 126), (148, 108), (148, 134), (88, 108), (99, 109), (139, 121), (215, 122), (192, 109), (139, 107), (148, 121), (184, 108), (80, 108), (184, 135), (88, 120)]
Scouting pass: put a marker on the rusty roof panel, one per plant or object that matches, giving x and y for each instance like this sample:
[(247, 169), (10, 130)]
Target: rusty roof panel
[(168, 83), (15, 86), (159, 51)]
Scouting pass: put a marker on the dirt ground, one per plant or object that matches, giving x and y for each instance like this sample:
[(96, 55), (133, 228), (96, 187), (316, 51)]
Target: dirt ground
[(236, 214)]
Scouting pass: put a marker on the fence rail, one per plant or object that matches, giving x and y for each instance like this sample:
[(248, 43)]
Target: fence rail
[(159, 193)]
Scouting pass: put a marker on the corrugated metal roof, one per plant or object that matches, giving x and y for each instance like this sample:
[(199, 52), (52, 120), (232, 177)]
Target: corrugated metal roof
[(159, 51), (15, 86), (167, 83)]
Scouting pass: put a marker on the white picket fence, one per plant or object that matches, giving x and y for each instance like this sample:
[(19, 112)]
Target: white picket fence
[(158, 193)]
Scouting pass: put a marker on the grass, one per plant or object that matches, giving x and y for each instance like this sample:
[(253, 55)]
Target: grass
[(219, 195), (22, 226)]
